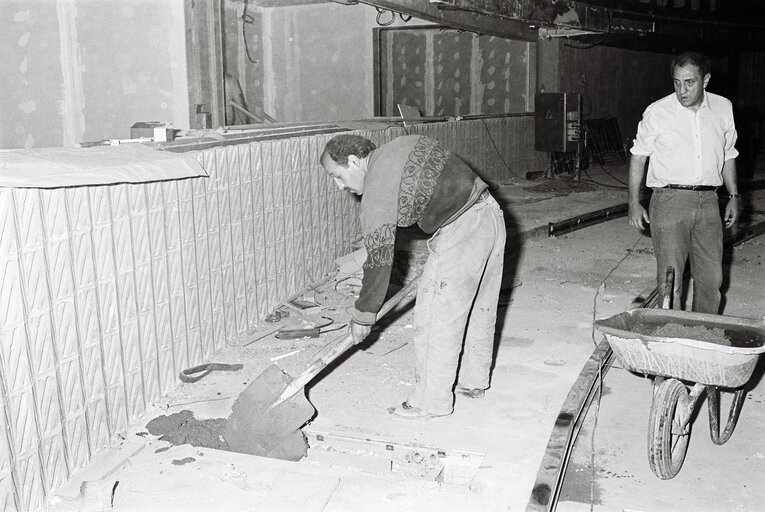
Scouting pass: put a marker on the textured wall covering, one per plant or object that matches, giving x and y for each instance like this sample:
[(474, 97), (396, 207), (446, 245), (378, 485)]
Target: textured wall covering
[(108, 292), (499, 149), (451, 74), (404, 72), (446, 72)]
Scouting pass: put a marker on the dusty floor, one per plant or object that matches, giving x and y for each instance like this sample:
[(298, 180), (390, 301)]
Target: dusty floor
[(486, 455)]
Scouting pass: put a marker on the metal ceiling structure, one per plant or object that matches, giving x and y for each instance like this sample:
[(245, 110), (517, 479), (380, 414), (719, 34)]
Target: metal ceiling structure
[(714, 26)]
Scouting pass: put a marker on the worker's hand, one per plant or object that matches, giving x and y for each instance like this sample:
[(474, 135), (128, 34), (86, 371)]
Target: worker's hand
[(359, 332), (637, 215), (731, 211)]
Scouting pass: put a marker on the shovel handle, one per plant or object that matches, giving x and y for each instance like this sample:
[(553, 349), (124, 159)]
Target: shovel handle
[(669, 288), (337, 347)]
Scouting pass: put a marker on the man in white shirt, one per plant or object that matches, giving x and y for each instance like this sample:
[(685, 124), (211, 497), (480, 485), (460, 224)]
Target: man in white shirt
[(689, 141)]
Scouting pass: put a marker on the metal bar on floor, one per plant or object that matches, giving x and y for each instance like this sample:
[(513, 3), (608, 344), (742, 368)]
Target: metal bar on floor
[(588, 219)]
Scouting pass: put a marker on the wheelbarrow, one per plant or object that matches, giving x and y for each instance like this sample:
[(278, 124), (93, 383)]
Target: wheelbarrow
[(695, 362)]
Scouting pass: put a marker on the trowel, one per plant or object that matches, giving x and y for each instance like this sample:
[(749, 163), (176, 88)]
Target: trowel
[(267, 416)]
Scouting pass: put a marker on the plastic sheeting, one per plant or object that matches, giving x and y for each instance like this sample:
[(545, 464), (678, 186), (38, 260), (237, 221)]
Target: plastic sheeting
[(99, 165)]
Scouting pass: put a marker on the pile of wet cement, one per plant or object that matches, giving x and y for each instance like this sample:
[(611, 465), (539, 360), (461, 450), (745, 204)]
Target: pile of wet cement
[(696, 332), (183, 428)]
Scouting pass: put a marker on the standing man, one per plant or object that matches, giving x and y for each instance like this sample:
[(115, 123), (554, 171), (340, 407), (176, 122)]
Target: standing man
[(416, 180), (690, 138)]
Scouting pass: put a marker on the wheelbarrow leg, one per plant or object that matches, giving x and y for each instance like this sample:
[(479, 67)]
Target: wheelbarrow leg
[(713, 394)]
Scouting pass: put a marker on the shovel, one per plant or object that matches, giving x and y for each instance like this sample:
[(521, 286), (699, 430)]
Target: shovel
[(267, 416)]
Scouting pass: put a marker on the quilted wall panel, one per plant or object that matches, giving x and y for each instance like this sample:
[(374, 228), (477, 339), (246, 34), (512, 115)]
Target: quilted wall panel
[(499, 149), (108, 292)]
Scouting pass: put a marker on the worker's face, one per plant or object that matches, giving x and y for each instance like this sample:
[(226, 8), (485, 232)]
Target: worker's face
[(349, 176), (689, 85)]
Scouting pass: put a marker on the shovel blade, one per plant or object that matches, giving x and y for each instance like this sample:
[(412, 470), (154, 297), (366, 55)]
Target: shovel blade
[(256, 428)]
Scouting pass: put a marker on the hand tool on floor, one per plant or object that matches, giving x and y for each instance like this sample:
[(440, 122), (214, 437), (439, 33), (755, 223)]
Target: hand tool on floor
[(195, 373), (308, 332), (267, 416)]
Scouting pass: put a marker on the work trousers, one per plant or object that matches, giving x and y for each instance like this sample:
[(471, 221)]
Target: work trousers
[(687, 224), (457, 302)]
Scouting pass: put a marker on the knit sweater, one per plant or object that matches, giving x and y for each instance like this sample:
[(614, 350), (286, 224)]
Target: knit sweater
[(410, 180)]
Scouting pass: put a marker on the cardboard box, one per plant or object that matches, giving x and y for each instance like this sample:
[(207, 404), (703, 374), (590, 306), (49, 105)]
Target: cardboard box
[(144, 129), (157, 131)]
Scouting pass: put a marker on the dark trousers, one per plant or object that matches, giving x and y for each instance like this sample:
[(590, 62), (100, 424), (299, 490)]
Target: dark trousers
[(686, 224)]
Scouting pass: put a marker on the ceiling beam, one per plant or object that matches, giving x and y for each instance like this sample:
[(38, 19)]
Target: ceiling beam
[(488, 24)]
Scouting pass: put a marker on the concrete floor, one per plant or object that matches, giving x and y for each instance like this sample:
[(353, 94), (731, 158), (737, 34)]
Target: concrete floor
[(483, 457), (609, 465)]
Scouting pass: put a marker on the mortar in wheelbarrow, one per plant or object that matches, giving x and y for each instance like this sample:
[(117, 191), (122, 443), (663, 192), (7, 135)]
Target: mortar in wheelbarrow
[(728, 362)]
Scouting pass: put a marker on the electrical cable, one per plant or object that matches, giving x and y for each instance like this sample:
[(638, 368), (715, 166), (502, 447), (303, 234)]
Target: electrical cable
[(380, 12), (247, 19), (593, 45), (598, 42), (600, 371), (603, 168), (491, 139), (602, 285), (537, 200), (591, 180)]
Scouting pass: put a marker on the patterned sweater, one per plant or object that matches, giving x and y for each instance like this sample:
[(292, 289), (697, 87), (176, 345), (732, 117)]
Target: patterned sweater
[(410, 180)]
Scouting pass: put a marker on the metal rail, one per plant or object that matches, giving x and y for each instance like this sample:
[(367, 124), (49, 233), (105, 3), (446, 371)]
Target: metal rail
[(588, 219)]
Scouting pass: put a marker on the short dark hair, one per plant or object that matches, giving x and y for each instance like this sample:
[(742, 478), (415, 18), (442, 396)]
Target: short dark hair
[(340, 147), (697, 59)]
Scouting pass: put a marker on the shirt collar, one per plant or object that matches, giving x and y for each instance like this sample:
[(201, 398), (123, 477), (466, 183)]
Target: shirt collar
[(679, 107)]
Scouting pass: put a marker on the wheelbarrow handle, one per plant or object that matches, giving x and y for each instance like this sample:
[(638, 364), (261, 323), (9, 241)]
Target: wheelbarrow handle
[(669, 287), (338, 346)]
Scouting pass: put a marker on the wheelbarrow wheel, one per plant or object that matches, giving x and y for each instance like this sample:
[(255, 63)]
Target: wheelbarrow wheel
[(668, 429)]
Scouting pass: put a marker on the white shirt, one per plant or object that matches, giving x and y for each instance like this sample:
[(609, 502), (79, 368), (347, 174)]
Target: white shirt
[(686, 147)]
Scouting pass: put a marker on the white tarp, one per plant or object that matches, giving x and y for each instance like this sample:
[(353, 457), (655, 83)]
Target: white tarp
[(100, 165)]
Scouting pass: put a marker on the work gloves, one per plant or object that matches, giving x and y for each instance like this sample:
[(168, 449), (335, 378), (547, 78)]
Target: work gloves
[(359, 332)]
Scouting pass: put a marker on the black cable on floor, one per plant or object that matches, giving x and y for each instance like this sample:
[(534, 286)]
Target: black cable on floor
[(625, 185)]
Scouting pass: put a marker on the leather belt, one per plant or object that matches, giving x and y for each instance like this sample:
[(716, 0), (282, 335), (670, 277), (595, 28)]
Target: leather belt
[(692, 187)]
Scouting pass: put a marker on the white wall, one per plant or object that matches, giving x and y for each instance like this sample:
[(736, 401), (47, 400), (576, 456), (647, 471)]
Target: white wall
[(319, 63), (76, 70)]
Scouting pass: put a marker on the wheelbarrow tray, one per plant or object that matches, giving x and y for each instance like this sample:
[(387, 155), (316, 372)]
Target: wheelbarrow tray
[(704, 362)]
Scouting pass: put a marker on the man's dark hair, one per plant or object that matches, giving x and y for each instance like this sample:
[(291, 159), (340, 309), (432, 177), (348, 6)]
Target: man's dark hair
[(697, 59), (340, 147)]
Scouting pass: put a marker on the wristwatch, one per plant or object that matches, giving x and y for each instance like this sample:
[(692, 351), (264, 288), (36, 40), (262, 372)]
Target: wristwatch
[(736, 194)]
